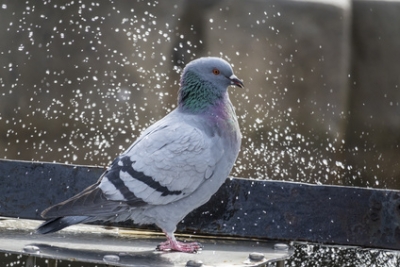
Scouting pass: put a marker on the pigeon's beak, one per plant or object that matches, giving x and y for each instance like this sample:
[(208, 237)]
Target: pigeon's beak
[(236, 81)]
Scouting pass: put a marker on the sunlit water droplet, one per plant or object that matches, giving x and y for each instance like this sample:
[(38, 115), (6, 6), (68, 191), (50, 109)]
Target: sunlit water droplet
[(32, 249), (111, 258)]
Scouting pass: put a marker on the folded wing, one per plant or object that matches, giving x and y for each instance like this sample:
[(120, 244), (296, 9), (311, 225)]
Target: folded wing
[(167, 163)]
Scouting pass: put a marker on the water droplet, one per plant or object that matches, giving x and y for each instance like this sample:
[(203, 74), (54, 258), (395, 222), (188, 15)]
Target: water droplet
[(32, 249), (281, 246), (256, 256), (194, 263), (111, 258)]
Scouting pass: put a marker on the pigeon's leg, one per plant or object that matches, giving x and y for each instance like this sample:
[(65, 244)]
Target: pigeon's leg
[(173, 245)]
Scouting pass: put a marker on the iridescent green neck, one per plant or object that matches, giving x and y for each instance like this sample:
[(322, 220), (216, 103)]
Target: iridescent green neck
[(196, 95)]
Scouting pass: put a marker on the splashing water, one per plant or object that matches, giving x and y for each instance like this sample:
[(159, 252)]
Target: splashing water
[(79, 81)]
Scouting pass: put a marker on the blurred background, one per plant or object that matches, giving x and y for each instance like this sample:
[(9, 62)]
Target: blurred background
[(79, 81)]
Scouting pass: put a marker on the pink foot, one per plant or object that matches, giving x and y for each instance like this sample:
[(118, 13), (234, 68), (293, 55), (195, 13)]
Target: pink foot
[(173, 245)]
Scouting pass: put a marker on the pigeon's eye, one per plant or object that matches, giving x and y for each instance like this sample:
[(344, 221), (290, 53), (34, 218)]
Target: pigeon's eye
[(216, 71)]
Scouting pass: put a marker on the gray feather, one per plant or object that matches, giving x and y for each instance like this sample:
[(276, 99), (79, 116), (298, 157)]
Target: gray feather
[(59, 223)]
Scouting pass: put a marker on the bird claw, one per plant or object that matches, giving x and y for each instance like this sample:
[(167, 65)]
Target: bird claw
[(168, 245)]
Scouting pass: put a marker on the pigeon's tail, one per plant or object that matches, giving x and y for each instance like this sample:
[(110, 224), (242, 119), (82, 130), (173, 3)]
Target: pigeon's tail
[(56, 224)]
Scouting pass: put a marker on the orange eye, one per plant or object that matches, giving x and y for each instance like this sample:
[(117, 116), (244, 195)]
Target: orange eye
[(216, 71)]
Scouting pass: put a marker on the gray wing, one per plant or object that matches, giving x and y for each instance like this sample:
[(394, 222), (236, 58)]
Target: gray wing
[(169, 162), (90, 202)]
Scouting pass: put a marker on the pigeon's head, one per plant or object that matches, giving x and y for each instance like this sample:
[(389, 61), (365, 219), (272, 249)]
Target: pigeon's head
[(213, 70), (205, 81)]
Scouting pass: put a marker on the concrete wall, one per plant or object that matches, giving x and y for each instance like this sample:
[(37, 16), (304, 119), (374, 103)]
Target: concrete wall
[(321, 104)]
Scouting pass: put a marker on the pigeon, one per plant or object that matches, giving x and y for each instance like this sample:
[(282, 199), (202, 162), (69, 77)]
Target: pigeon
[(175, 166)]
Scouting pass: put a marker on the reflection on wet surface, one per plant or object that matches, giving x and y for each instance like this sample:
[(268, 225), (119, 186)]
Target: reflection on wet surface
[(85, 244)]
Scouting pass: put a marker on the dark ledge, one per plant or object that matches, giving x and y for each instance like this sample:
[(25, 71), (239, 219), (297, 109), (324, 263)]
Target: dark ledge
[(242, 207)]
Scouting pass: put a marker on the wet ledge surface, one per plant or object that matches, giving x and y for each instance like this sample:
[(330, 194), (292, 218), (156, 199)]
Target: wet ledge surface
[(123, 247)]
